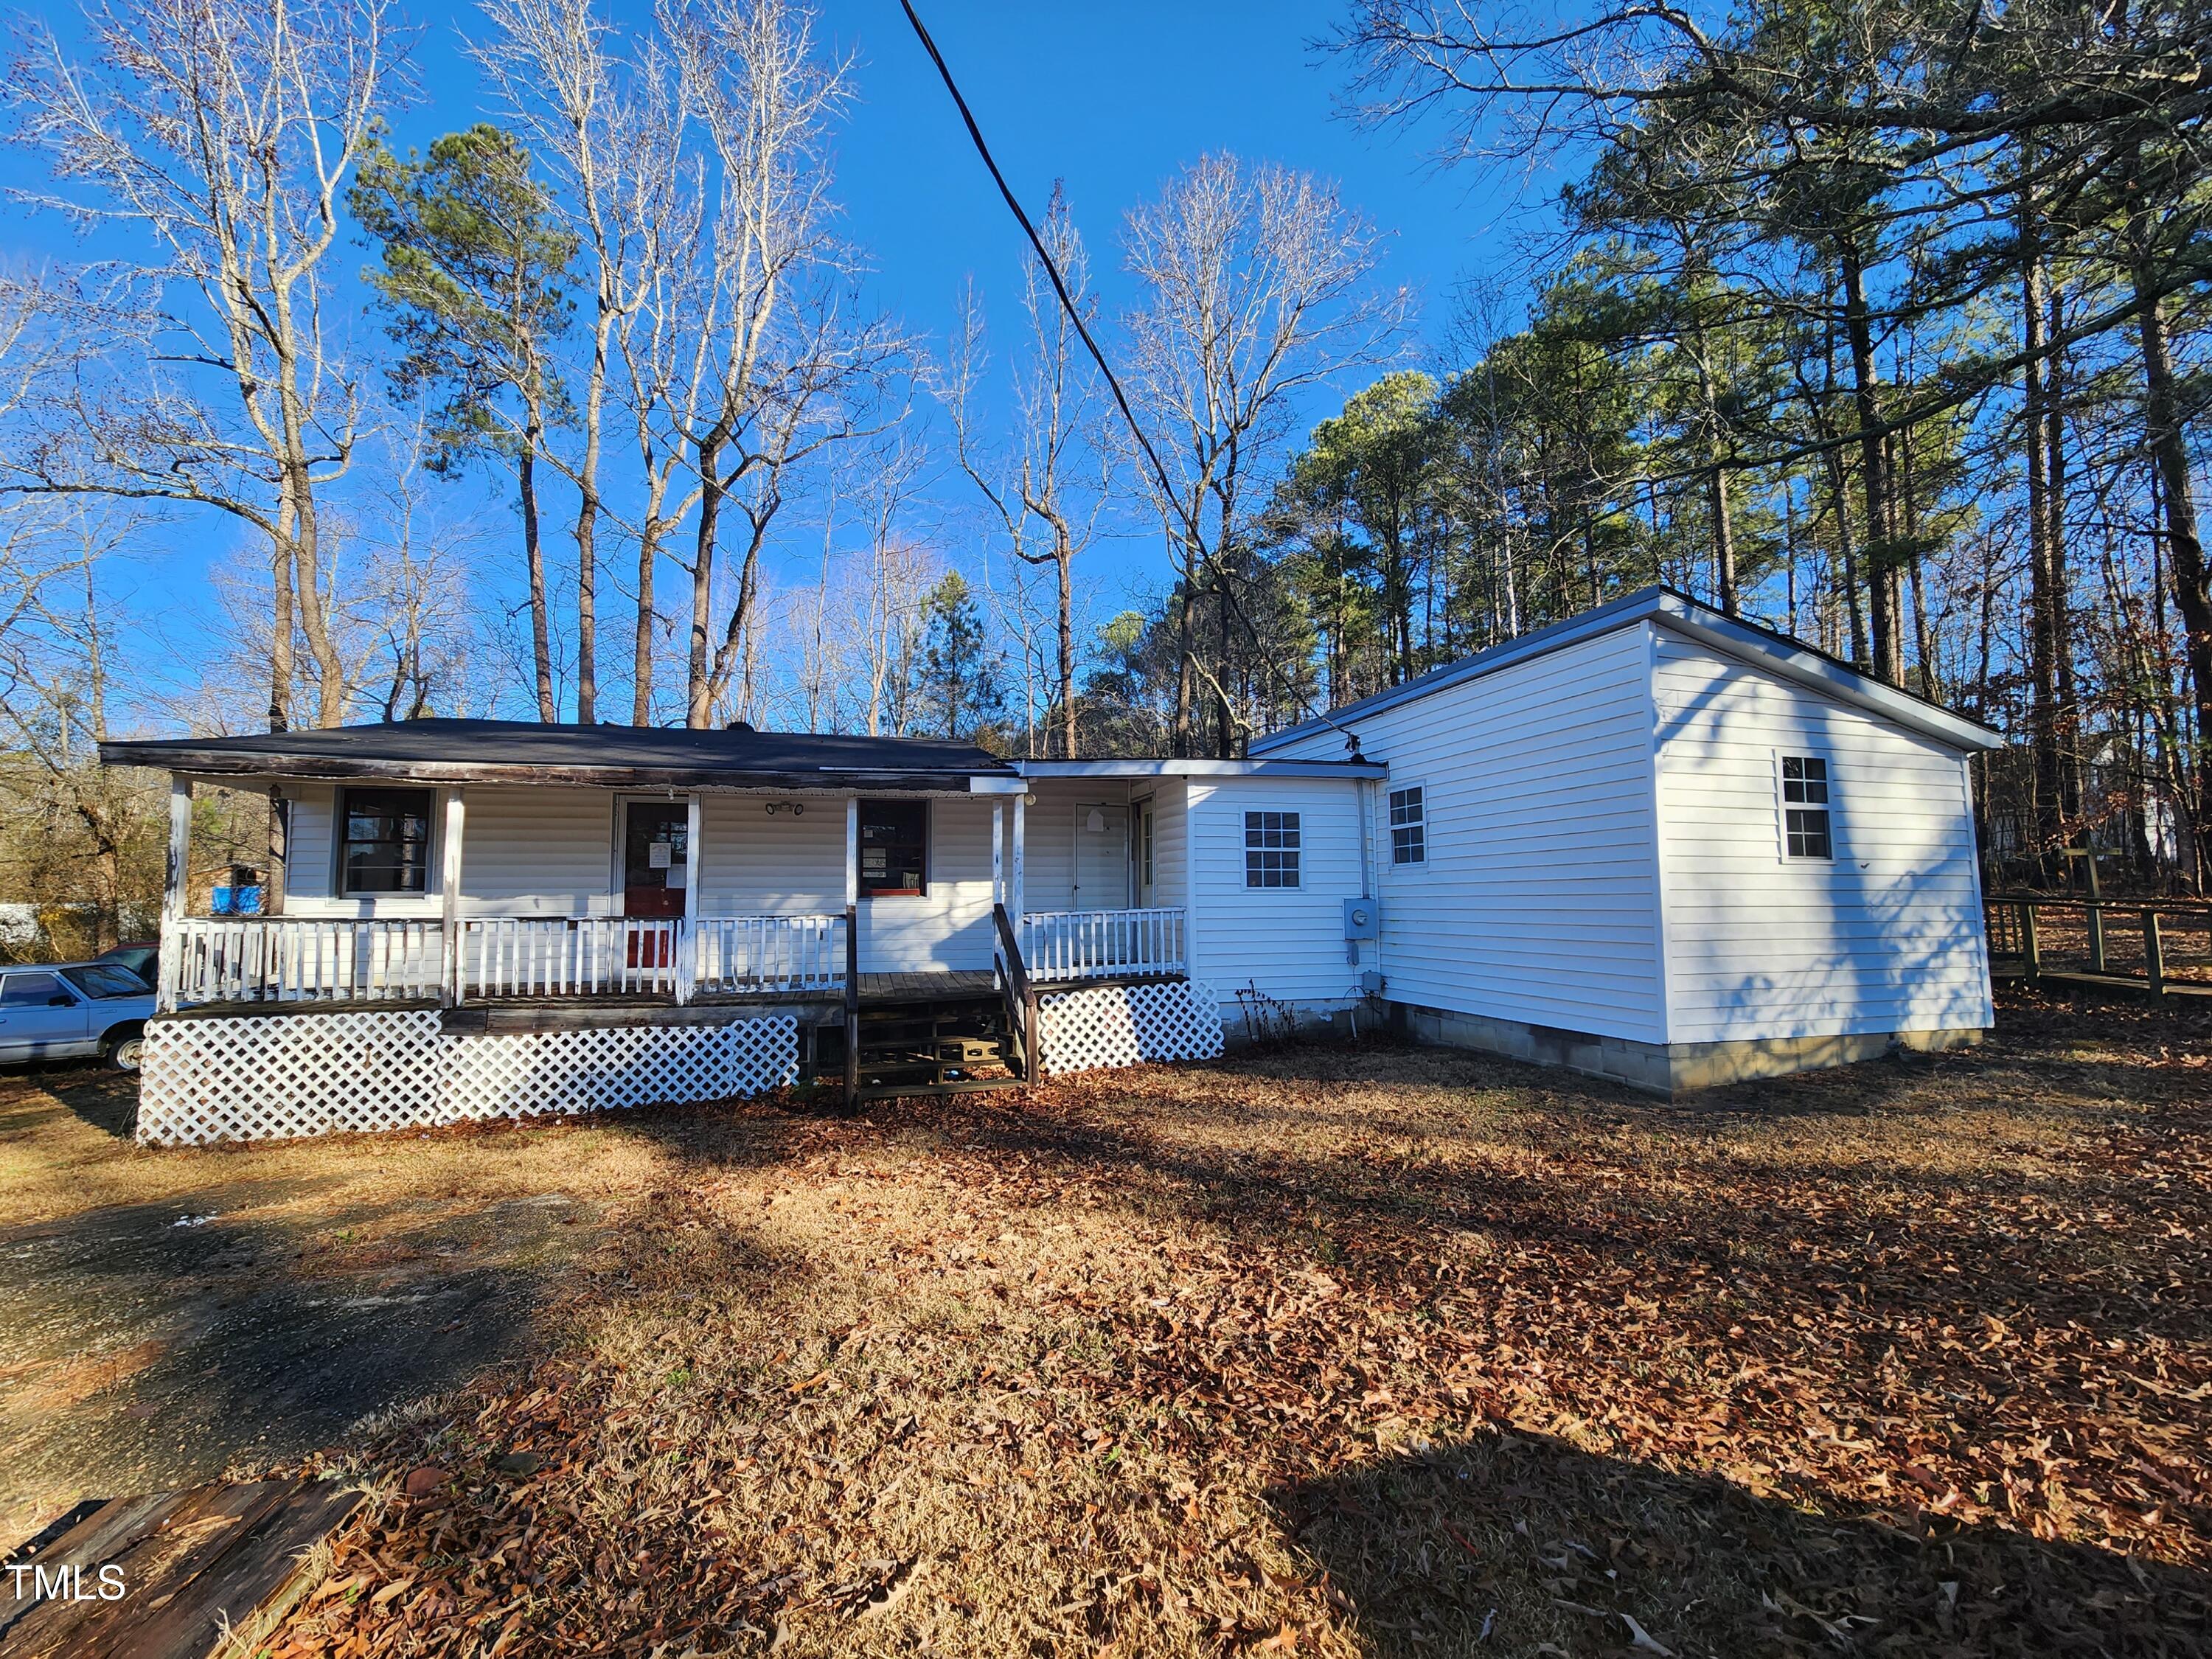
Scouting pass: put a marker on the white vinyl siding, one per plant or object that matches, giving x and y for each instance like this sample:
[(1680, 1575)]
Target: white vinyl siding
[(1884, 935), (950, 926), (1538, 901), (1288, 941), (1049, 865), (537, 851), (753, 862)]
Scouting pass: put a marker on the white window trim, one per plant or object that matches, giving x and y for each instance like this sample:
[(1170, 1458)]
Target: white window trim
[(1244, 847), (1782, 805), (1390, 864), (434, 879)]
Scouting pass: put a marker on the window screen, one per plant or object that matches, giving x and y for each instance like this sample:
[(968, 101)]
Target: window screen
[(1271, 849), (386, 846), (1805, 807), (1409, 827), (895, 847)]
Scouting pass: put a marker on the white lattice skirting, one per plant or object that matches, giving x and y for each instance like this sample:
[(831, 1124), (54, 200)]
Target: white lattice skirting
[(1127, 1025), (262, 1077)]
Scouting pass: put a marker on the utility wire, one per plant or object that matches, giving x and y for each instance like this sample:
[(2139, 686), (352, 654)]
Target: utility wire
[(1052, 269), (1067, 305)]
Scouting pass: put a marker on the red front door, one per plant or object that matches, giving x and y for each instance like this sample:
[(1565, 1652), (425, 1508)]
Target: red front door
[(656, 838)]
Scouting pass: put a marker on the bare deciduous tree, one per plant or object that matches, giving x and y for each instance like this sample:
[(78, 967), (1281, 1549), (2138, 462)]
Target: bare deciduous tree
[(1049, 492), (222, 132), (1257, 287)]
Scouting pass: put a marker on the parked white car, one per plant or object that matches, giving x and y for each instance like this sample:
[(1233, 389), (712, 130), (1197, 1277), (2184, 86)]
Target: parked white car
[(53, 1011)]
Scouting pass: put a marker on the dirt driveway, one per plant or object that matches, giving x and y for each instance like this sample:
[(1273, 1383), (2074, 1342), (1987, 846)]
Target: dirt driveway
[(167, 1316)]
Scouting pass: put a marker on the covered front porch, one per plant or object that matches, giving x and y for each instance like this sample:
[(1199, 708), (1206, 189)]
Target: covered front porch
[(457, 896)]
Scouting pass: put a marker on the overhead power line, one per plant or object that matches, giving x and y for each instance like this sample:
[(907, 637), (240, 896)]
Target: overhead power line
[(1052, 269), (1067, 305)]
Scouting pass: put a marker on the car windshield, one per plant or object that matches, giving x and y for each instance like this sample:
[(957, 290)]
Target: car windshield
[(104, 979)]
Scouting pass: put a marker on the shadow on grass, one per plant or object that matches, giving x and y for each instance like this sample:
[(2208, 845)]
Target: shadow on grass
[(149, 1347), (1505, 1543), (101, 1098)]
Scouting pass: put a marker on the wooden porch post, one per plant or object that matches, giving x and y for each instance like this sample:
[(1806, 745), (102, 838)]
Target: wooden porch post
[(1014, 908), (687, 948), (852, 951), (175, 876), (2154, 954), (999, 851), (449, 892)]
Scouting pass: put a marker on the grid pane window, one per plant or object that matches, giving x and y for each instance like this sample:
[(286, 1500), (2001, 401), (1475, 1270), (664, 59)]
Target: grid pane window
[(1805, 807), (1271, 849), (1409, 827), (387, 840)]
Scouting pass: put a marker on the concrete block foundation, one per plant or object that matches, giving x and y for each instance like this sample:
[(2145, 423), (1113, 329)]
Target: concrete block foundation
[(1666, 1070)]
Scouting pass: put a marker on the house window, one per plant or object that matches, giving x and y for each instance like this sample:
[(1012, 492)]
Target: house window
[(1805, 807), (1271, 849), (1409, 827), (386, 847), (894, 849)]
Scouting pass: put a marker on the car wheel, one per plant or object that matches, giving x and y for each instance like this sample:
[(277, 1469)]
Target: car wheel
[(122, 1052)]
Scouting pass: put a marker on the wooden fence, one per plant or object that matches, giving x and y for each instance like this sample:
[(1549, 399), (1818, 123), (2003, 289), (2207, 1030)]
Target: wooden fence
[(2163, 947)]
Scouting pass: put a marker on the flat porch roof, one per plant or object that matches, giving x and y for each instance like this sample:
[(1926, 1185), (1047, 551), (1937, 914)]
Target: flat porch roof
[(612, 756)]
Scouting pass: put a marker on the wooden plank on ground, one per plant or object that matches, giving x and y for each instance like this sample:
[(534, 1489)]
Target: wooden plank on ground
[(189, 1563)]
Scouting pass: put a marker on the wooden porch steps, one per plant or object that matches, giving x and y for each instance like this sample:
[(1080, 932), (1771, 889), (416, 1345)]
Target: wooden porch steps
[(188, 1563)]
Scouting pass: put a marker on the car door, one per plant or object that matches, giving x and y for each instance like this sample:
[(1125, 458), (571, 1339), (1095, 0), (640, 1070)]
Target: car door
[(41, 1016)]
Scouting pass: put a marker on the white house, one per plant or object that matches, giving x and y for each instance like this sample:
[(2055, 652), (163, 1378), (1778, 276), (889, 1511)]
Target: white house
[(1652, 843), (1663, 845)]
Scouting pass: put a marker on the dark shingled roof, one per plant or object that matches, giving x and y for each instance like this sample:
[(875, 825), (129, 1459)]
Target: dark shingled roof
[(457, 749)]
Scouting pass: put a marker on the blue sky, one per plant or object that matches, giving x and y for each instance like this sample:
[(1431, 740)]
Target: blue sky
[(1111, 98)]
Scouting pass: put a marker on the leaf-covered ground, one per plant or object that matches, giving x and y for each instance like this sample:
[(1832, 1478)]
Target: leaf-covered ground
[(1338, 1349)]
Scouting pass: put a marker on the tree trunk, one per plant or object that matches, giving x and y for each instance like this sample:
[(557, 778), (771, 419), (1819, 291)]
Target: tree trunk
[(1839, 498), (2192, 583), (1882, 562), (1179, 740), (1064, 557), (1717, 485), (587, 522), (698, 691), (2062, 601), (648, 555), (281, 553), (533, 552), (2050, 815)]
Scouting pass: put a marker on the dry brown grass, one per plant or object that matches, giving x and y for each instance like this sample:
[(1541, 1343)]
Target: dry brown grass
[(1346, 1350)]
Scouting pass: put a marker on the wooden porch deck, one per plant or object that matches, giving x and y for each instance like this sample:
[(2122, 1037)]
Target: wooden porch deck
[(661, 1008)]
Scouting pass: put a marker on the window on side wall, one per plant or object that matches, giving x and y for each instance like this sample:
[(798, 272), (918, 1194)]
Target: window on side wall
[(1805, 830), (385, 845), (1409, 826), (1271, 849)]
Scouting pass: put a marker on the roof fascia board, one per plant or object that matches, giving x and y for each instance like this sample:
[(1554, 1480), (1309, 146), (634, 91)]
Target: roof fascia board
[(1202, 768), (1708, 626), (216, 762), (1817, 673), (1619, 614)]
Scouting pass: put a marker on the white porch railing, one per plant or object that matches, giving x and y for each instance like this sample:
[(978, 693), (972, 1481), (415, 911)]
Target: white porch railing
[(288, 959), (768, 953), (1104, 943), (303, 959), (569, 955)]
